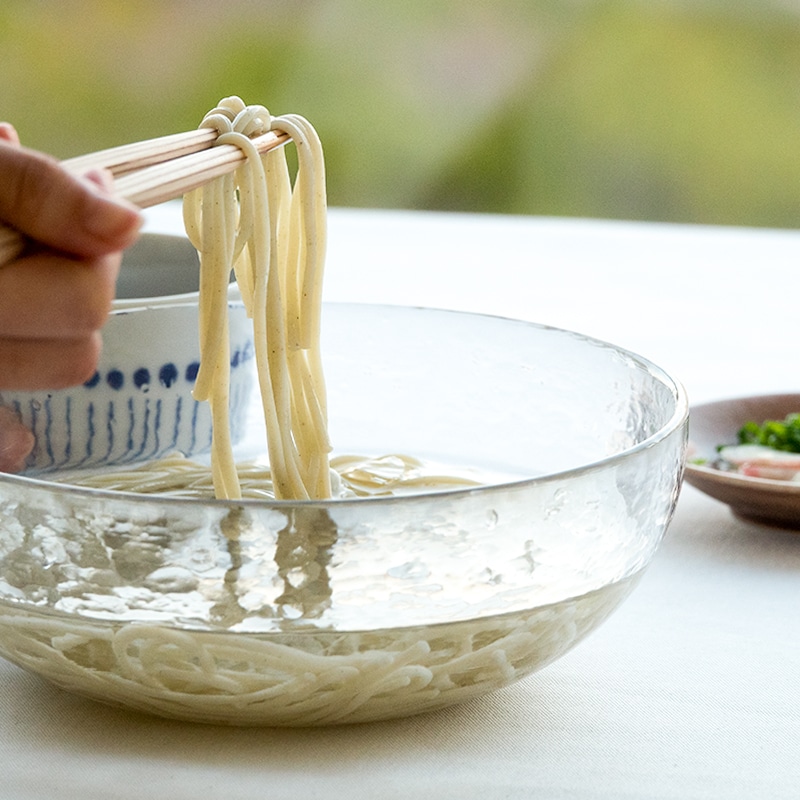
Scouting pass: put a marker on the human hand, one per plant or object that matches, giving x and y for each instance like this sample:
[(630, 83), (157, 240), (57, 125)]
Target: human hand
[(16, 441), (56, 296)]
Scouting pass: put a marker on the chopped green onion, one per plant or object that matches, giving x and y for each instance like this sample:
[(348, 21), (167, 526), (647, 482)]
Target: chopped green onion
[(779, 435)]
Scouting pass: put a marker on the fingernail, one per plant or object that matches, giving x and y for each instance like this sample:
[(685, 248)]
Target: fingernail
[(8, 133)]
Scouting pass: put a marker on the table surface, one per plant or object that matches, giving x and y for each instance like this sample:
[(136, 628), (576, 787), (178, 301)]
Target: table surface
[(690, 690)]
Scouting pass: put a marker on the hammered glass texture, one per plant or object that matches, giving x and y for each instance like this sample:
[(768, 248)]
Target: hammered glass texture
[(289, 613)]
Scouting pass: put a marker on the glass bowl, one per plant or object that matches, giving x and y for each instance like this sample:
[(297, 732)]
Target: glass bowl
[(311, 613)]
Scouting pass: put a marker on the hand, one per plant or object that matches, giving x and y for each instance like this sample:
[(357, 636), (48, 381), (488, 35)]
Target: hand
[(56, 296), (16, 442)]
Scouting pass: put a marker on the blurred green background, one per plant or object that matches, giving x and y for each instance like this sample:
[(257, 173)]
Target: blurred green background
[(675, 110)]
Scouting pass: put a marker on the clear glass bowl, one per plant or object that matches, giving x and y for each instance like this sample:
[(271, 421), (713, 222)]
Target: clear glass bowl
[(310, 613)]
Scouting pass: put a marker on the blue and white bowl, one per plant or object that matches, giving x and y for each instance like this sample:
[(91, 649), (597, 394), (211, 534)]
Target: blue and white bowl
[(139, 405)]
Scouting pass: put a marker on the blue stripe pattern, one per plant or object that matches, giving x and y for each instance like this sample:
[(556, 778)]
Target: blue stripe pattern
[(149, 418)]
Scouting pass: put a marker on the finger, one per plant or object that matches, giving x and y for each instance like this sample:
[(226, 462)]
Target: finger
[(67, 212), (32, 364), (8, 133), (16, 442), (48, 296)]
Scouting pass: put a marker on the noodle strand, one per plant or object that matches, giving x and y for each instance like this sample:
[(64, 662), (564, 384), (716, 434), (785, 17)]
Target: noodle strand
[(272, 236)]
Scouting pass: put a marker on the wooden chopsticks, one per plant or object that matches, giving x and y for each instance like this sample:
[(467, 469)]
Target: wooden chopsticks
[(156, 170), (173, 178), (138, 155)]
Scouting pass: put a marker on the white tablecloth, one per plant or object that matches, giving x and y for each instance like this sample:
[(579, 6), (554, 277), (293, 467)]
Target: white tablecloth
[(691, 690)]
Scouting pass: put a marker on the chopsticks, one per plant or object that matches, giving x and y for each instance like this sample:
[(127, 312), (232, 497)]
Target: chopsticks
[(139, 155), (173, 178), (156, 170)]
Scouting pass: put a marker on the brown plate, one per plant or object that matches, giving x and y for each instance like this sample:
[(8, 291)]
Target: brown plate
[(769, 502)]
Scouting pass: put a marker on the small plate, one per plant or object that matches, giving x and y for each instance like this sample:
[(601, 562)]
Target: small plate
[(769, 502)]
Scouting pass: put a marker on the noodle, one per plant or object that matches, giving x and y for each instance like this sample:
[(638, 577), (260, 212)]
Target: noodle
[(353, 476), (309, 678), (272, 236)]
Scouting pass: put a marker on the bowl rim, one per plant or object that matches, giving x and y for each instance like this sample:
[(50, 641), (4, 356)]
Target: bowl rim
[(678, 419), (126, 305)]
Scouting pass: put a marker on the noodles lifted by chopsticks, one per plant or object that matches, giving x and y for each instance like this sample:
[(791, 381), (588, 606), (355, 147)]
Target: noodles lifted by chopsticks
[(272, 233)]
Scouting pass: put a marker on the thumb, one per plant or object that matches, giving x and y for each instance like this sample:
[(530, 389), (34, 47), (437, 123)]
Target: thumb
[(16, 441)]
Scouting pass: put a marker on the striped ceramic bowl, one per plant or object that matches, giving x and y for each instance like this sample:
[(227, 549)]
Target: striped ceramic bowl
[(139, 404)]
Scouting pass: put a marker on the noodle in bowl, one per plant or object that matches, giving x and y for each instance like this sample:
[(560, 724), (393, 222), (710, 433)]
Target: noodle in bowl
[(313, 612)]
